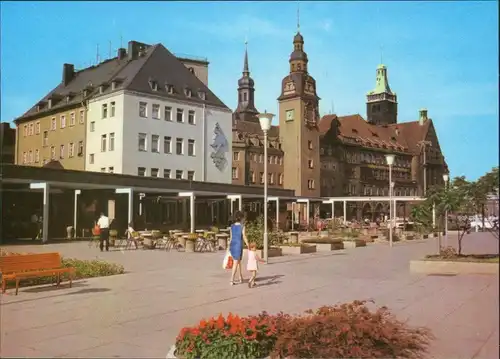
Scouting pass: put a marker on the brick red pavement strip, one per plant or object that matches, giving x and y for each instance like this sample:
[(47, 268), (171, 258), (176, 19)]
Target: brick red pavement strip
[(139, 314)]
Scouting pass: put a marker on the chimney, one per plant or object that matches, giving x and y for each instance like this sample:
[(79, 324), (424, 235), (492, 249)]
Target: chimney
[(423, 116), (68, 73), (133, 50), (122, 53)]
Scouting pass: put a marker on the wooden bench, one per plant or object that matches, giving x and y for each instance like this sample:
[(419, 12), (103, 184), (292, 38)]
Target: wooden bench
[(17, 267)]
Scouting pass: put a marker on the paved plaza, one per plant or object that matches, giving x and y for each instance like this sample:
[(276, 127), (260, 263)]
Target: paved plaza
[(138, 314)]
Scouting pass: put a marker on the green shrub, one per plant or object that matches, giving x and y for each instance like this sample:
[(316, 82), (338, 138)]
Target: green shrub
[(254, 231)]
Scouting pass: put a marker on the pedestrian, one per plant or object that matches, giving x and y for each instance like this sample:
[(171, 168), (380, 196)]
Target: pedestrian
[(236, 246), (103, 224), (35, 226), (253, 263)]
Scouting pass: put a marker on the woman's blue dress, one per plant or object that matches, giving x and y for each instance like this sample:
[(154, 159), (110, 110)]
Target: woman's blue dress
[(236, 244)]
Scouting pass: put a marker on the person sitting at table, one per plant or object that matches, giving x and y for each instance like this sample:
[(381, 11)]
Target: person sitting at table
[(132, 235)]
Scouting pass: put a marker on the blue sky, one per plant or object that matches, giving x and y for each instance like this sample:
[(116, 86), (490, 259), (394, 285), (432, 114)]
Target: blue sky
[(440, 55)]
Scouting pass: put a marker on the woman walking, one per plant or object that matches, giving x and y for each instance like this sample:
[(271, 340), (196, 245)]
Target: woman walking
[(236, 246)]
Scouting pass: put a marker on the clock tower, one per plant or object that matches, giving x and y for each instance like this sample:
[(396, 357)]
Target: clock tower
[(382, 103), (298, 120)]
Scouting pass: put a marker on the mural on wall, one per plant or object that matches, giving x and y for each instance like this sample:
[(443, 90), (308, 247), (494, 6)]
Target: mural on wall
[(219, 148)]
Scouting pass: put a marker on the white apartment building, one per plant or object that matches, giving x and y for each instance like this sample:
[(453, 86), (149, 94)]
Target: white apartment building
[(155, 116), (148, 135)]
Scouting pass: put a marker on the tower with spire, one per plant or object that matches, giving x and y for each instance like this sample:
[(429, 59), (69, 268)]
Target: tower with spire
[(246, 110), (381, 103), (298, 119)]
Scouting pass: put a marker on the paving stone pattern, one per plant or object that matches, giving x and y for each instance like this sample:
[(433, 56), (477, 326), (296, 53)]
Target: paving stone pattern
[(138, 314)]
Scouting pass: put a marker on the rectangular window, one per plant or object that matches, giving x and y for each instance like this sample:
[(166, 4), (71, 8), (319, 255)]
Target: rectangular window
[(141, 171), (190, 147), (179, 146), (63, 121), (91, 158), (31, 129), (25, 158), (261, 158), (142, 142), (236, 156), (25, 130), (310, 163), (310, 184), (71, 149), (167, 144), (92, 126), (191, 175), (112, 109), (61, 151), (45, 140), (80, 148), (280, 178), (72, 119), (112, 141), (103, 143), (111, 170), (261, 178), (103, 169), (252, 177), (191, 118), (270, 178), (52, 153), (234, 173), (37, 156), (155, 143), (180, 115), (37, 128), (30, 157), (156, 111), (104, 112), (178, 174), (310, 145), (154, 172), (166, 173), (53, 124), (168, 113), (82, 116), (143, 109)]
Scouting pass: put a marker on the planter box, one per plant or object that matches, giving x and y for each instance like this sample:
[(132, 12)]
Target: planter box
[(294, 237), (327, 247), (355, 243), (302, 249), (190, 245), (222, 241), (449, 267), (272, 252)]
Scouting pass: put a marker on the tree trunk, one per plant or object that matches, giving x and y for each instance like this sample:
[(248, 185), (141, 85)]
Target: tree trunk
[(460, 237), (482, 215)]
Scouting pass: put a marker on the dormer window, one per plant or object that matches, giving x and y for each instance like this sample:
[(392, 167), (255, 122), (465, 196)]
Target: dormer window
[(50, 103), (202, 95), (113, 85), (187, 92), (153, 84), (38, 108), (169, 88), (101, 89)]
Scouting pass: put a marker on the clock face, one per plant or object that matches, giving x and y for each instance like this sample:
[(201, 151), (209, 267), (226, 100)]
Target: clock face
[(290, 114)]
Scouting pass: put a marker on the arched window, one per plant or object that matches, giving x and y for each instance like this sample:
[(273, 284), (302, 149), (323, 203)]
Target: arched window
[(245, 97)]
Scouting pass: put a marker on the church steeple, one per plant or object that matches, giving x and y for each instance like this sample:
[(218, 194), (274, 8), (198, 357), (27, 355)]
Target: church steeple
[(246, 110), (381, 102)]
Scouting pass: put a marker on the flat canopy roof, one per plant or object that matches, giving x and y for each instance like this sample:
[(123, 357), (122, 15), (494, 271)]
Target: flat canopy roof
[(71, 179)]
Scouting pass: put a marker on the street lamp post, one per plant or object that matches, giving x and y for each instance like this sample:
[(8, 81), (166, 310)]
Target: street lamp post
[(390, 161), (445, 179), (265, 123)]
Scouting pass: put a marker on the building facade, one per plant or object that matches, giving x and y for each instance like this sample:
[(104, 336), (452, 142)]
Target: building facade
[(336, 156), (144, 112), (7, 143), (159, 123)]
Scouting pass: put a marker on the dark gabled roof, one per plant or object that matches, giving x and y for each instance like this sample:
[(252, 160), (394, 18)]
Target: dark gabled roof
[(163, 67), (93, 76), (155, 63)]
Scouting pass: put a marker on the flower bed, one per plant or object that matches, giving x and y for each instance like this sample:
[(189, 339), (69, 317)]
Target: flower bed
[(343, 331), (83, 269)]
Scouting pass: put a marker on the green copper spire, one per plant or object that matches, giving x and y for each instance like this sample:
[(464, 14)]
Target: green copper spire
[(382, 83)]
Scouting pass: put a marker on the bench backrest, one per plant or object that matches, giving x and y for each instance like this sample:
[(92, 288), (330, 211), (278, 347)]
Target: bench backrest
[(24, 262)]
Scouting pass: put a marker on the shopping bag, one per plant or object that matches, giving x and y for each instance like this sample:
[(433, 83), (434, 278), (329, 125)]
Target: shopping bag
[(96, 230), (227, 263)]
